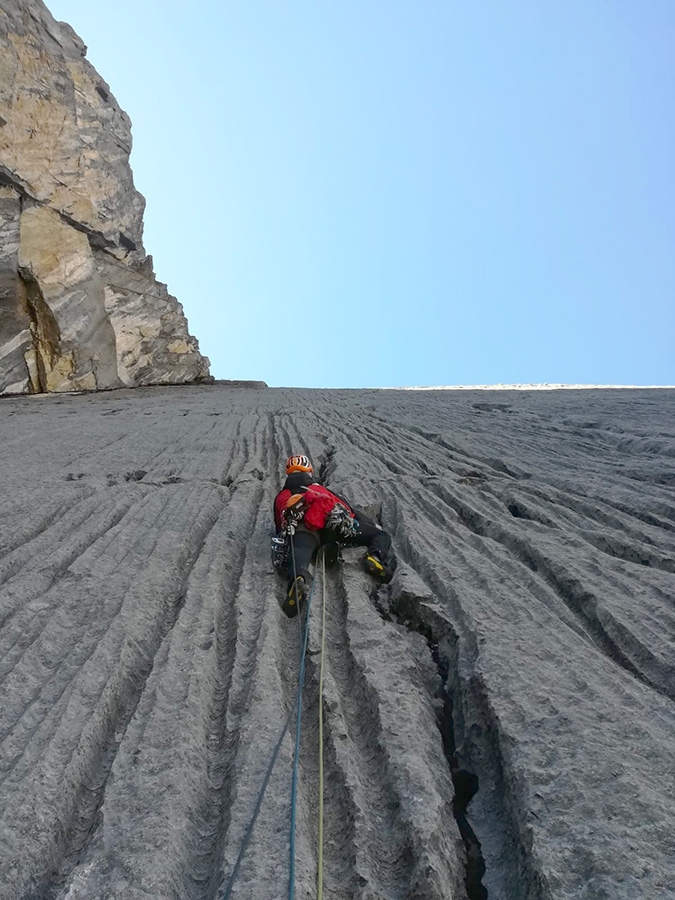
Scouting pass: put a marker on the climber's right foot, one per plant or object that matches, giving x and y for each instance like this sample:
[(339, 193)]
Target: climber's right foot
[(296, 596), (375, 567)]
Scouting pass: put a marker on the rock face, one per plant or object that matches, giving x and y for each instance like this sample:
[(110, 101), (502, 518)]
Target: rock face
[(512, 688), (80, 308)]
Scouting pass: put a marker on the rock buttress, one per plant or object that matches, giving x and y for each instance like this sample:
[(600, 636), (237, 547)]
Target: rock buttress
[(80, 308)]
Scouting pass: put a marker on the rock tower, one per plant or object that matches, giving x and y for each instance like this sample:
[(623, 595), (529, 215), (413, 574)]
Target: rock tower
[(80, 307)]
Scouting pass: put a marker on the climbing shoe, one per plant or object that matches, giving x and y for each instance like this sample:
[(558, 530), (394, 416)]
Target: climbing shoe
[(296, 596), (375, 567)]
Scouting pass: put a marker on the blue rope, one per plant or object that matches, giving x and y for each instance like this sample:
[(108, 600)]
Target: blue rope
[(249, 829), (268, 774), (296, 761)]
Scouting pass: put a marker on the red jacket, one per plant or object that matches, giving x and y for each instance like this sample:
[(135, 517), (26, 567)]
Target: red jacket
[(320, 501)]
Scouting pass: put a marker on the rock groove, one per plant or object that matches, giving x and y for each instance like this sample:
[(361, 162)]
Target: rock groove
[(524, 646)]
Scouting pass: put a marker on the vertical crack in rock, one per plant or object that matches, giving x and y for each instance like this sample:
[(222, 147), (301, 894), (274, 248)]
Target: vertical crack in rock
[(326, 465), (470, 733), (466, 783), (44, 331)]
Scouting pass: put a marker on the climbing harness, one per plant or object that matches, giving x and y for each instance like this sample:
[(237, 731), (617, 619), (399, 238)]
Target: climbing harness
[(340, 524), (294, 511)]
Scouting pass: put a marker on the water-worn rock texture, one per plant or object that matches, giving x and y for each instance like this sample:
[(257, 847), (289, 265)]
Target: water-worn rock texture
[(80, 307), (525, 647)]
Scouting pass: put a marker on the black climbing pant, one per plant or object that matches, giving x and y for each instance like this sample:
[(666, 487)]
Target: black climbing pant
[(371, 535), (305, 544), (368, 534)]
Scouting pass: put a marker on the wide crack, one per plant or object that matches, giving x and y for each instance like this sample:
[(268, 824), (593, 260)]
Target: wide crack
[(465, 782), (43, 328)]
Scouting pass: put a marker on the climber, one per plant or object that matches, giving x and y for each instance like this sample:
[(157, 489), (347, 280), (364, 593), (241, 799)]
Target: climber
[(310, 516)]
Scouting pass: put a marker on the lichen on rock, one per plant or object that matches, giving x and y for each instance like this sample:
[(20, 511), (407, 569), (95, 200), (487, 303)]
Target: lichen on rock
[(80, 307)]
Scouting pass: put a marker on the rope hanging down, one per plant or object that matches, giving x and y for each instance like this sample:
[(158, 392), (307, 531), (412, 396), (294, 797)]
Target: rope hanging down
[(304, 633), (298, 724), (268, 774), (261, 794)]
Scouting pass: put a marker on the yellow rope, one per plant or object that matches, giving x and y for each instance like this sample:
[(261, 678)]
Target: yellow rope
[(319, 872)]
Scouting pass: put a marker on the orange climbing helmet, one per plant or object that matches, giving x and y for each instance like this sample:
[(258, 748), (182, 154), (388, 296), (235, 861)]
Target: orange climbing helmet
[(298, 463)]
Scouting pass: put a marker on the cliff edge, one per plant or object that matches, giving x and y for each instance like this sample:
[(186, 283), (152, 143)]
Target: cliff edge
[(80, 308)]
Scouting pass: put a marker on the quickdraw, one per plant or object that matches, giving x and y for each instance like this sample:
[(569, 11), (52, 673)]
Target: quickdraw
[(341, 524), (280, 549)]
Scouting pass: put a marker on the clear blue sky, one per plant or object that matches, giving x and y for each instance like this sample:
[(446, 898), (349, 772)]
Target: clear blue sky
[(381, 193)]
